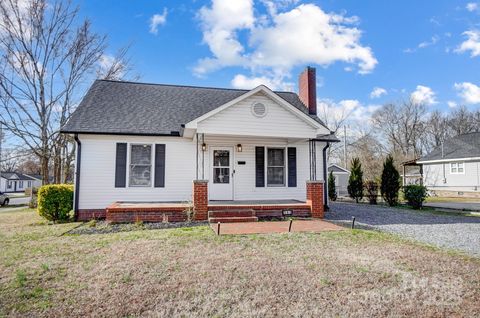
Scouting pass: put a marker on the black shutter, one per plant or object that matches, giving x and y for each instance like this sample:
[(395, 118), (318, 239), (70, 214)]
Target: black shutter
[(292, 167), (121, 166), (259, 167), (159, 166)]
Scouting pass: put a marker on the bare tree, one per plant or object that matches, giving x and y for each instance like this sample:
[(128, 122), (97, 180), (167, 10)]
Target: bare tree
[(47, 55), (436, 130), (462, 121), (402, 125)]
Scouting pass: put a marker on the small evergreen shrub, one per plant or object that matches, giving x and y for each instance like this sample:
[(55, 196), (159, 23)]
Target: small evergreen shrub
[(55, 202), (355, 181), (415, 195), (332, 191), (390, 182), (371, 187)]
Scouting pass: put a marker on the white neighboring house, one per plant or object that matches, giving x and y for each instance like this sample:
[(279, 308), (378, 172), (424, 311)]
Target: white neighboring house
[(11, 182), (454, 169), (147, 143), (341, 178)]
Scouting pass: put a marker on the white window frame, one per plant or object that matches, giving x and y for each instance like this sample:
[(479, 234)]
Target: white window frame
[(456, 166), (285, 172), (20, 184), (152, 166)]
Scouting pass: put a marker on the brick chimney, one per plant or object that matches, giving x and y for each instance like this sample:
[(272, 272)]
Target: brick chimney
[(307, 89)]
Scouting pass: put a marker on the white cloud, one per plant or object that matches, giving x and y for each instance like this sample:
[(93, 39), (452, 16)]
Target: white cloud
[(423, 95), (472, 6), (472, 43), (157, 20), (220, 24), (434, 40), (349, 111), (469, 92), (244, 82), (452, 104), (279, 41), (378, 92)]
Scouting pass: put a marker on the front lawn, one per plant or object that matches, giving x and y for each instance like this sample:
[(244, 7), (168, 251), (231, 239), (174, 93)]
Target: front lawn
[(192, 272)]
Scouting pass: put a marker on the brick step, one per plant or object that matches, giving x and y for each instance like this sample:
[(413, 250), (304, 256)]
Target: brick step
[(233, 219), (231, 213)]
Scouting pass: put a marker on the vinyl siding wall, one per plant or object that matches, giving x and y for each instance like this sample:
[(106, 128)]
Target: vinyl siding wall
[(239, 120), (97, 179), (468, 181)]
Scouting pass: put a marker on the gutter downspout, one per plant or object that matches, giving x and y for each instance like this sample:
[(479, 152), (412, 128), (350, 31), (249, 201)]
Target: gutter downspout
[(325, 181), (77, 176)]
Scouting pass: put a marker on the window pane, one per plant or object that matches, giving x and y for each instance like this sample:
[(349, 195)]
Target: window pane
[(460, 167), (141, 155), (221, 175), (221, 158), (275, 176), (140, 175), (276, 157)]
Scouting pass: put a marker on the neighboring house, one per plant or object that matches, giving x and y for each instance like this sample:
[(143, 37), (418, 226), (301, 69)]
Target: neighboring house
[(341, 178), (146, 144), (454, 169), (16, 182)]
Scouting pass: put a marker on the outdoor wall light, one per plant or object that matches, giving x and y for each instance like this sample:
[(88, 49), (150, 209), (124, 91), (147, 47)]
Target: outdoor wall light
[(239, 148), (204, 147)]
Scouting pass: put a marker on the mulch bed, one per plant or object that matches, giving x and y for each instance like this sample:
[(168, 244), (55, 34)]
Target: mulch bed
[(103, 227)]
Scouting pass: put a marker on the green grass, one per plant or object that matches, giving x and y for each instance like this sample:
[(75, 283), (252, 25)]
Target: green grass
[(193, 272)]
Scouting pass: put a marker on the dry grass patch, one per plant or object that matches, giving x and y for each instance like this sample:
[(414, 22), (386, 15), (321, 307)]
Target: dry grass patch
[(192, 272)]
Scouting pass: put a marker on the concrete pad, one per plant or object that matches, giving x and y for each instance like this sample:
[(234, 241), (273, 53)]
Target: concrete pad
[(275, 227)]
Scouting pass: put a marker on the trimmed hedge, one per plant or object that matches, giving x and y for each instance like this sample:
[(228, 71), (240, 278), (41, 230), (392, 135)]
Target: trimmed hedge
[(415, 195), (55, 202)]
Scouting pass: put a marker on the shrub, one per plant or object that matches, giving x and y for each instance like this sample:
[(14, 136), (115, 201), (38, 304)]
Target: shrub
[(332, 191), (355, 181), (415, 195), (55, 202), (390, 182), (372, 191)]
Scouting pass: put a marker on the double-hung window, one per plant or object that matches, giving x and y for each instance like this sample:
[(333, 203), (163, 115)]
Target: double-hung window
[(276, 167), (140, 165), (457, 168)]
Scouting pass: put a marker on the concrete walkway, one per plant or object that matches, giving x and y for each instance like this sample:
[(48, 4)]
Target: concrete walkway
[(275, 227)]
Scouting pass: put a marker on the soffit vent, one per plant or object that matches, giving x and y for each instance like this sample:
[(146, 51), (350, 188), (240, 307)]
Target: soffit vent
[(259, 109)]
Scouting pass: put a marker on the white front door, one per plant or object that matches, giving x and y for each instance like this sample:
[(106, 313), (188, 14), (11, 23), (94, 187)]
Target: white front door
[(221, 181)]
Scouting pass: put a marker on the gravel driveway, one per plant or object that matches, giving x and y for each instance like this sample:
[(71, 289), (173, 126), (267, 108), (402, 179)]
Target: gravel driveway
[(456, 232)]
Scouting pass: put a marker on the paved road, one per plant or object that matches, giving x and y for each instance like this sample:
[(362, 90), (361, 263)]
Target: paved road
[(471, 206), (456, 232), (21, 200)]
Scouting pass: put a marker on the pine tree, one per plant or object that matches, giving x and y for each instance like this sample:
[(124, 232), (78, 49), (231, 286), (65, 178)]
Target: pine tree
[(390, 182), (355, 181), (332, 191)]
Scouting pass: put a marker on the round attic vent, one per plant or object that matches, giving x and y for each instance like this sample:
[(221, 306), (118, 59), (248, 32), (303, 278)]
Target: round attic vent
[(259, 109)]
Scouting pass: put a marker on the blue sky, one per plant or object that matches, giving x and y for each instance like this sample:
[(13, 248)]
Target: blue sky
[(428, 48)]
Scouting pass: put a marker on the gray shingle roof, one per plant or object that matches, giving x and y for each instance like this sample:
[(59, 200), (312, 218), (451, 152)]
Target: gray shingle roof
[(11, 176), (151, 109), (461, 146)]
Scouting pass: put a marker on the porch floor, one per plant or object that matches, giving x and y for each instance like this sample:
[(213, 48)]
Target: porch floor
[(255, 202), (275, 227)]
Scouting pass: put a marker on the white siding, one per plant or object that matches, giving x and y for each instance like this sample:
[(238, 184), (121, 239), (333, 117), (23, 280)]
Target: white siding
[(239, 120), (98, 169), (468, 181), (3, 184), (244, 178), (97, 180)]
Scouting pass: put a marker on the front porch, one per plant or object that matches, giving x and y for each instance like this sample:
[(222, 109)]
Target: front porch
[(216, 211)]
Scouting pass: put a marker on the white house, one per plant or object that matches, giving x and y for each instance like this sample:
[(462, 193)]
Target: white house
[(17, 182), (454, 168), (142, 146), (341, 178)]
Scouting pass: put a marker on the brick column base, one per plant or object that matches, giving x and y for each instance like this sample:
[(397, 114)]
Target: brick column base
[(315, 198), (200, 199)]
